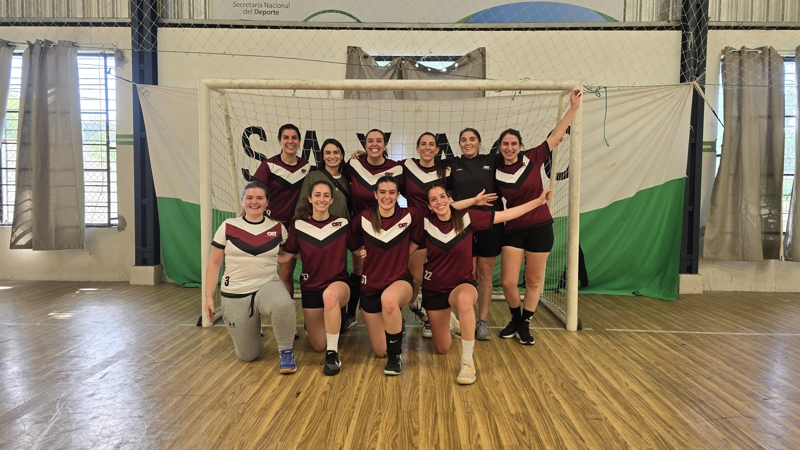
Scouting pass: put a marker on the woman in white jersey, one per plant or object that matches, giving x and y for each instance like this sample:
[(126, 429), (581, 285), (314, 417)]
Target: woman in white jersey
[(249, 246)]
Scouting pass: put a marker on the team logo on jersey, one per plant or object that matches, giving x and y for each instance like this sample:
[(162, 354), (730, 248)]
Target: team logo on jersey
[(387, 238), (320, 237), (254, 244), (286, 177), (446, 241), (369, 179), (487, 167)]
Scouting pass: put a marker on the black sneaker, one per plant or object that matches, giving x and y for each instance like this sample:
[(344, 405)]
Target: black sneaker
[(394, 365), (331, 363), (510, 330), (524, 334)]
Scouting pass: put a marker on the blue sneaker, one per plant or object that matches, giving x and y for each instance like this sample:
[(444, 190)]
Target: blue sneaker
[(287, 361)]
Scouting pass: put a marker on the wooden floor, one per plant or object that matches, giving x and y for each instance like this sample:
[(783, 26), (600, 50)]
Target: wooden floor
[(113, 366)]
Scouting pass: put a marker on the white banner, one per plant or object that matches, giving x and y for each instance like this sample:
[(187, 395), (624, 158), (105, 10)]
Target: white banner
[(420, 11), (645, 129)]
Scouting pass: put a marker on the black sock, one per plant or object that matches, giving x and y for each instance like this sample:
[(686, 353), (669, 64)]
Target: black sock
[(394, 343), (515, 314), (344, 311), (355, 292), (527, 315)]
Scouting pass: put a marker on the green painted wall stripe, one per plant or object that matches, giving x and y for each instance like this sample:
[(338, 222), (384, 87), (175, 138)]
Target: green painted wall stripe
[(124, 136), (709, 146)]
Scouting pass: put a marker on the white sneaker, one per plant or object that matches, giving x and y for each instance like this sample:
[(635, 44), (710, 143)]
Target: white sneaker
[(455, 327), (467, 373), (426, 330)]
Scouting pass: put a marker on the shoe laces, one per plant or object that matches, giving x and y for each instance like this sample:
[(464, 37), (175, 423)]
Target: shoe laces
[(330, 354), (287, 357), (466, 366)]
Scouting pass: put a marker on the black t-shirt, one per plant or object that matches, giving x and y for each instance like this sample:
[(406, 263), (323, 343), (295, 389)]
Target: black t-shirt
[(471, 175)]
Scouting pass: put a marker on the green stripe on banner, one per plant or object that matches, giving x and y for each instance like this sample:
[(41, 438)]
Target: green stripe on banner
[(632, 247), (179, 225), (709, 146)]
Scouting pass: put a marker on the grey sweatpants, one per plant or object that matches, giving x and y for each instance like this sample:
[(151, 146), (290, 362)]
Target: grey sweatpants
[(244, 325)]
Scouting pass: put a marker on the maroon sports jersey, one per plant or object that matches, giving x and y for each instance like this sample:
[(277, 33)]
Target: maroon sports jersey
[(364, 180), (387, 250), (283, 185), (520, 183), (449, 255), (323, 249), (417, 180)]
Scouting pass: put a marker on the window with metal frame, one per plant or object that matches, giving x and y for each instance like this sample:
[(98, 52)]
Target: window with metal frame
[(98, 99)]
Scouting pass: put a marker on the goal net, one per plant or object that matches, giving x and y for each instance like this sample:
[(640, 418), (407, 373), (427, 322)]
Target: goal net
[(239, 122)]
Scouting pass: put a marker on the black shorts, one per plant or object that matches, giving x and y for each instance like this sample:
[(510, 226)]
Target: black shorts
[(371, 301), (534, 240), (437, 301), (311, 299), (487, 243)]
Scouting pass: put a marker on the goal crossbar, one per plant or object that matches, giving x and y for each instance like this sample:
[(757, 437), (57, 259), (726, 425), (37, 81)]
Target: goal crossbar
[(206, 86)]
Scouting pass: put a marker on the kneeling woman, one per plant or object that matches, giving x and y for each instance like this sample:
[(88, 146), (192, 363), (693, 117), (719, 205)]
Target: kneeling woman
[(321, 240), (449, 281), (386, 280), (249, 246)]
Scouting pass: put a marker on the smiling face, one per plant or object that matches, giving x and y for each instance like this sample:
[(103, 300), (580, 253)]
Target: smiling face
[(509, 148), (439, 202), (427, 149), (332, 156), (320, 198), (387, 195), (375, 145), (469, 143), (290, 142), (254, 202)]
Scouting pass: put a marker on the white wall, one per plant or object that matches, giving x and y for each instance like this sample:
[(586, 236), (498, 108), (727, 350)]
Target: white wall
[(598, 57), (109, 252)]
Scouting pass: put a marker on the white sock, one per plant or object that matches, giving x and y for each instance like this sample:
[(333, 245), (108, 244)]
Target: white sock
[(333, 341), (466, 348)]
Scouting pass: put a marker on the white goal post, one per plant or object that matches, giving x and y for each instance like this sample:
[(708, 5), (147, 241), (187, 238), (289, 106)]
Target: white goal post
[(568, 313)]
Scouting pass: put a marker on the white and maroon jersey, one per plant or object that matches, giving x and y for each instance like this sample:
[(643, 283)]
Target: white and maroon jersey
[(387, 249), (520, 183), (417, 180), (449, 254), (251, 254), (323, 249), (364, 180), (283, 185)]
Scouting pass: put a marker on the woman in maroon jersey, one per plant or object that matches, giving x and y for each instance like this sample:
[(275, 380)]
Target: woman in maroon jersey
[(322, 240), (365, 170), (283, 175), (418, 175), (448, 280), (529, 237), (386, 280)]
